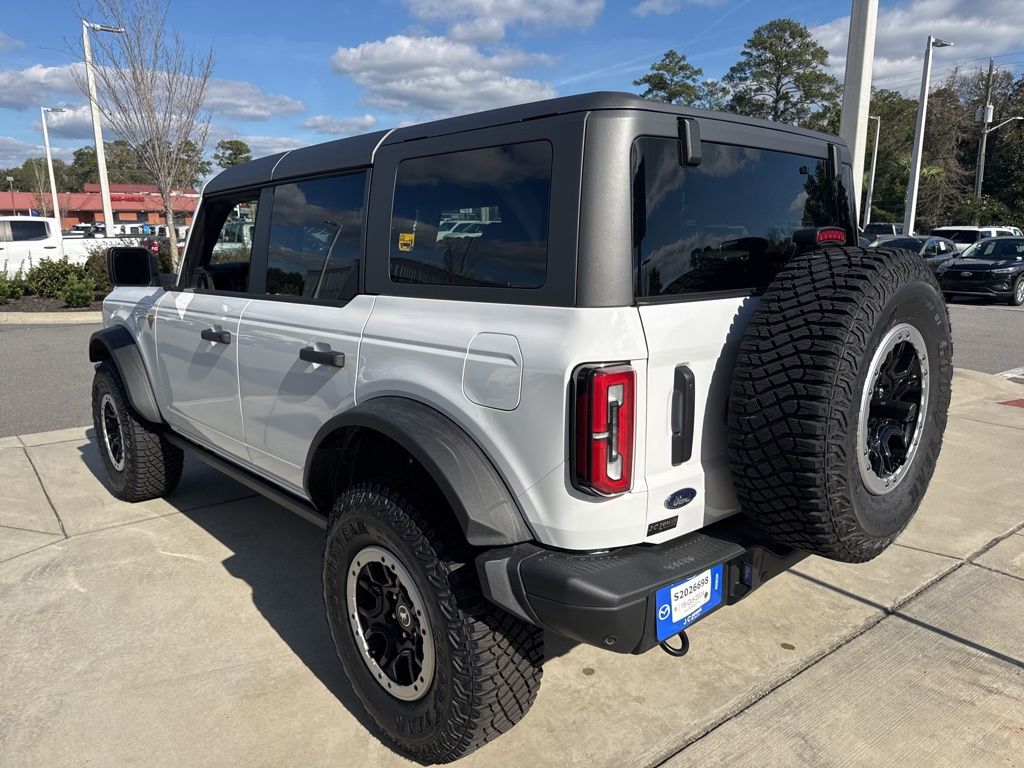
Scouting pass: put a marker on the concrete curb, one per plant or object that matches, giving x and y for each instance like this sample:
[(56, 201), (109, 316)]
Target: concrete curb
[(51, 318)]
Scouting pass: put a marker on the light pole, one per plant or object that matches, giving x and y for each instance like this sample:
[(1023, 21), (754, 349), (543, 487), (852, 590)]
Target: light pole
[(101, 158), (871, 177), (910, 206), (981, 157), (49, 160), (10, 181)]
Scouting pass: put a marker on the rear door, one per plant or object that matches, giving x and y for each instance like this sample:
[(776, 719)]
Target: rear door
[(707, 239), (298, 340), (197, 325), (31, 240)]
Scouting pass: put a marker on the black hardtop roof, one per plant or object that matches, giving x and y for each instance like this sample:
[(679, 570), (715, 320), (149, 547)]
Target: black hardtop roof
[(358, 151)]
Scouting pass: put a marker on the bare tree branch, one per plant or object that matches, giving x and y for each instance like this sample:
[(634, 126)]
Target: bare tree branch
[(150, 89)]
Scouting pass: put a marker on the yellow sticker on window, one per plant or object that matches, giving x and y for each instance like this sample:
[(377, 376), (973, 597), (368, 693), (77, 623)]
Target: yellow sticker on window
[(406, 240)]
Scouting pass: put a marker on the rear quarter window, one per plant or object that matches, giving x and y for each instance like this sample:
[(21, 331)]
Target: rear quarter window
[(478, 217), (728, 223)]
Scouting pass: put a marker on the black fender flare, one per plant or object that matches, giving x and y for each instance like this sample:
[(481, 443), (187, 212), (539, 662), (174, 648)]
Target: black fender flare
[(116, 344), (484, 506)]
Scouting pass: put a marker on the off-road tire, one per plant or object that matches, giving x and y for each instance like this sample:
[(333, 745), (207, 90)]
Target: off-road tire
[(487, 663), (151, 465), (796, 394)]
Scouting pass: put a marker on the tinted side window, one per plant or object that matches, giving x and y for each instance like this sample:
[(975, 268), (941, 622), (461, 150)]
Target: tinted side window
[(315, 238), (29, 230), (229, 223), (728, 223), (473, 218)]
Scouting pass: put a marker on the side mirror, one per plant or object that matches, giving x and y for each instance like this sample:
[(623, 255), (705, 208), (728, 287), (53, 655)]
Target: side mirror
[(132, 267)]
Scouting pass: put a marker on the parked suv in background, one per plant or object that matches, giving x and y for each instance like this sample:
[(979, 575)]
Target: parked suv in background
[(553, 424), (876, 228), (935, 251), (965, 236), (992, 268)]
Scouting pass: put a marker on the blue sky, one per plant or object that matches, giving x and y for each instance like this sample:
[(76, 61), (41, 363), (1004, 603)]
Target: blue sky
[(296, 73)]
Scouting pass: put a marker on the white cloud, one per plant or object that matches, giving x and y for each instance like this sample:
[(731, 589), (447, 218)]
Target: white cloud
[(14, 152), (74, 123), (243, 100), (33, 86), (238, 99), (665, 7), (487, 20), (436, 76), (8, 43), (340, 126), (979, 29)]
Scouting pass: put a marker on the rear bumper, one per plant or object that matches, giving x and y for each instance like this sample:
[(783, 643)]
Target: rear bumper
[(608, 599)]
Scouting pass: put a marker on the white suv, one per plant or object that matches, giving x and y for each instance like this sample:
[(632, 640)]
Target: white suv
[(549, 425)]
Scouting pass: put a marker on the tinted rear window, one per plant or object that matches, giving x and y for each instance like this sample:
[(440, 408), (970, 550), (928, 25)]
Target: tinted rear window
[(29, 230), (959, 235), (473, 218), (727, 224), (315, 238)]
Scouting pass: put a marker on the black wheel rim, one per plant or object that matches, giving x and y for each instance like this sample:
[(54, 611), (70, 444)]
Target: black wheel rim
[(113, 437), (389, 621), (893, 408)]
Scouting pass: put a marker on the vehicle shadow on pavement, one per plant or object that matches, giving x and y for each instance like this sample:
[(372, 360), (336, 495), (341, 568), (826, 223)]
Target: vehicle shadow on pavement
[(278, 555)]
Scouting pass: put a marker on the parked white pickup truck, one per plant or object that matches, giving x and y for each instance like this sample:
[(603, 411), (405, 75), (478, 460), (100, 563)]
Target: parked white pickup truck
[(25, 240)]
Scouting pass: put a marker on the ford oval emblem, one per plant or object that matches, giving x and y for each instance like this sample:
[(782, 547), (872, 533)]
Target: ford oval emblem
[(680, 498)]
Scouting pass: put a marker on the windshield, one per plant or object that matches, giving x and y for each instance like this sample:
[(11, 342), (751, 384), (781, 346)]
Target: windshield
[(996, 250), (959, 235)]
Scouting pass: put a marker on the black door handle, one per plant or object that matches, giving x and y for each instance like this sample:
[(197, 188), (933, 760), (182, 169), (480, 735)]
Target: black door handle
[(322, 356), (220, 337)]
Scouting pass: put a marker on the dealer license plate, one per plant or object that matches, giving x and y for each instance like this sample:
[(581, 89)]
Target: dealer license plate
[(679, 605)]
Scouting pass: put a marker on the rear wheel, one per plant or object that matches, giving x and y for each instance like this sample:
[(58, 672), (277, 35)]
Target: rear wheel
[(439, 669), (839, 400), (139, 462)]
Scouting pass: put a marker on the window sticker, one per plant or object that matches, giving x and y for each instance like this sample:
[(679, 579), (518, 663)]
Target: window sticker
[(406, 240)]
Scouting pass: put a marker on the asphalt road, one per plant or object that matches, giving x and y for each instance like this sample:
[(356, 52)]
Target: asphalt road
[(45, 378), (45, 373)]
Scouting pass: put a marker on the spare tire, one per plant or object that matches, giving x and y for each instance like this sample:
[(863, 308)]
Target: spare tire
[(839, 400)]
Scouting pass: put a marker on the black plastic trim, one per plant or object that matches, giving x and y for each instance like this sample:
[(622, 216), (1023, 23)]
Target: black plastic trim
[(683, 406), (607, 599), (289, 501), (485, 508), (116, 343)]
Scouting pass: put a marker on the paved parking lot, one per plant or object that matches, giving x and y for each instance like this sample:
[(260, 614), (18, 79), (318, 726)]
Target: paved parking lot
[(47, 375), (189, 631)]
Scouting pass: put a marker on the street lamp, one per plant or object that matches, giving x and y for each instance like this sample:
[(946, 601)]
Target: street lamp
[(910, 207), (981, 159), (101, 157), (10, 181), (874, 164), (49, 159)]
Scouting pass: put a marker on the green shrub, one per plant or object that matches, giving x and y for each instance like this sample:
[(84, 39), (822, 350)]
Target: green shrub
[(78, 291), (11, 287), (96, 268), (48, 278)]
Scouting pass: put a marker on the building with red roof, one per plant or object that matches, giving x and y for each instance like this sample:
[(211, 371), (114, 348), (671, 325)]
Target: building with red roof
[(131, 203)]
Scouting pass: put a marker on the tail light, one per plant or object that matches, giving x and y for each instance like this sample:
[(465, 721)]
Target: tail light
[(604, 425), (831, 235)]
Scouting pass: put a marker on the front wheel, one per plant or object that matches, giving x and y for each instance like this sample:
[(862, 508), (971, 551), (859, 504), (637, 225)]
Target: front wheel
[(439, 669), (1017, 297), (139, 461)]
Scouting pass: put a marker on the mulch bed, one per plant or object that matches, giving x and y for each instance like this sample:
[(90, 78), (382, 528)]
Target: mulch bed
[(43, 304)]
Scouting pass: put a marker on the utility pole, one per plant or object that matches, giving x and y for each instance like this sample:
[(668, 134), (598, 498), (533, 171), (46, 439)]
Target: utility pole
[(986, 120), (49, 160), (860, 54)]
